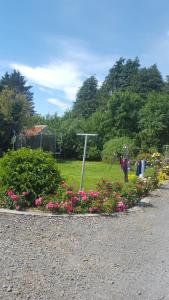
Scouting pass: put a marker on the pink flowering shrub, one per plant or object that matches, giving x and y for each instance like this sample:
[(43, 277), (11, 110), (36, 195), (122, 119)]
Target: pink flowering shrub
[(66, 201), (38, 201), (15, 201), (110, 197)]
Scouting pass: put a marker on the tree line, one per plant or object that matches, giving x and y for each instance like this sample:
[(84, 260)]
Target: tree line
[(132, 103)]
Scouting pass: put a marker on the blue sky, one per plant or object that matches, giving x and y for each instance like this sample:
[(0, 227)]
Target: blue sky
[(57, 44)]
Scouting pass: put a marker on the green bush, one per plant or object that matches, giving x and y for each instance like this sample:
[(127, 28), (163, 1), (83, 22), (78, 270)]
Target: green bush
[(29, 170), (93, 154), (115, 146)]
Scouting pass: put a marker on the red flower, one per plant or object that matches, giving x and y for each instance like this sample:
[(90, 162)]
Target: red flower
[(14, 197), (10, 193)]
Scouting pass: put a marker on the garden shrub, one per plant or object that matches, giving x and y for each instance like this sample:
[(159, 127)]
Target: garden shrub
[(109, 206), (131, 194), (29, 170), (115, 146), (105, 187), (93, 154), (144, 155)]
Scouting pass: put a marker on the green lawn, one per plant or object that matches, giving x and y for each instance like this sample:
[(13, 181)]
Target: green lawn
[(94, 171)]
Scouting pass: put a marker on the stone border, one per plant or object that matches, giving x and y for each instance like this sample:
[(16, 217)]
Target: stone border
[(42, 214)]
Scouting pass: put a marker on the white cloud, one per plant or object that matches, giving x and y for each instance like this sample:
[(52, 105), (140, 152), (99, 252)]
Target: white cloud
[(61, 76), (46, 90), (67, 73), (58, 103)]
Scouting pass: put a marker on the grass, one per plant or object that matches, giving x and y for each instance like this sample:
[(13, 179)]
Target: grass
[(94, 172)]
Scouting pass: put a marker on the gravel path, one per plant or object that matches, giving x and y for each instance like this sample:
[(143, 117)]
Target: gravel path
[(91, 258)]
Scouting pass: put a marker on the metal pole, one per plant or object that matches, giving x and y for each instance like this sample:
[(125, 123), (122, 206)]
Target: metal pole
[(83, 163), (84, 155), (41, 140)]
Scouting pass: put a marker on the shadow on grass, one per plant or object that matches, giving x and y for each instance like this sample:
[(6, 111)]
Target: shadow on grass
[(62, 161)]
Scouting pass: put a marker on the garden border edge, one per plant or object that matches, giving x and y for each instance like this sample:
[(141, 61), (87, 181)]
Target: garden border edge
[(144, 202)]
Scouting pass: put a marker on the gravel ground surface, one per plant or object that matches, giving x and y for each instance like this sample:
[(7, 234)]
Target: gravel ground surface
[(120, 257)]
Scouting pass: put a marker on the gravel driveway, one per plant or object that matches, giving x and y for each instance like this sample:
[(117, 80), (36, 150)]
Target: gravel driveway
[(120, 257)]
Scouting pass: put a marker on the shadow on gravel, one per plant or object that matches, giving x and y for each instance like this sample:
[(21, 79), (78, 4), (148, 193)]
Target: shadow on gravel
[(145, 204), (109, 216), (164, 188), (154, 196)]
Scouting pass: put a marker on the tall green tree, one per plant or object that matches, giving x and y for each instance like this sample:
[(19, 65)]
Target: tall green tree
[(154, 120), (16, 82), (149, 80), (123, 111), (86, 101), (121, 77), (72, 145), (14, 114)]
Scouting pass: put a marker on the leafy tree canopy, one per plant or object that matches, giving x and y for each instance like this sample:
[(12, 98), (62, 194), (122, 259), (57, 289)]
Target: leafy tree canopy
[(16, 82), (86, 101)]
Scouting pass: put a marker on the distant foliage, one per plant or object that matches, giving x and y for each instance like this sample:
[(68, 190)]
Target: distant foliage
[(93, 154), (131, 101)]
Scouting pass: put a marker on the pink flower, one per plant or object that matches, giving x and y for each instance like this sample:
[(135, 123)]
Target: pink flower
[(38, 201), (50, 205), (94, 194), (14, 197), (74, 200), (84, 198), (24, 193), (17, 207), (10, 193), (81, 193), (121, 206)]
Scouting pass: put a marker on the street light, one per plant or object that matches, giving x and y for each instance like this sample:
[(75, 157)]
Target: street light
[(84, 155)]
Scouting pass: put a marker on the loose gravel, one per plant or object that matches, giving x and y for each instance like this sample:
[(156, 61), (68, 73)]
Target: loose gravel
[(93, 258)]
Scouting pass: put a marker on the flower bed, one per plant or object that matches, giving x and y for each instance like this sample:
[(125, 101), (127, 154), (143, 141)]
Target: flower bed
[(109, 197)]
